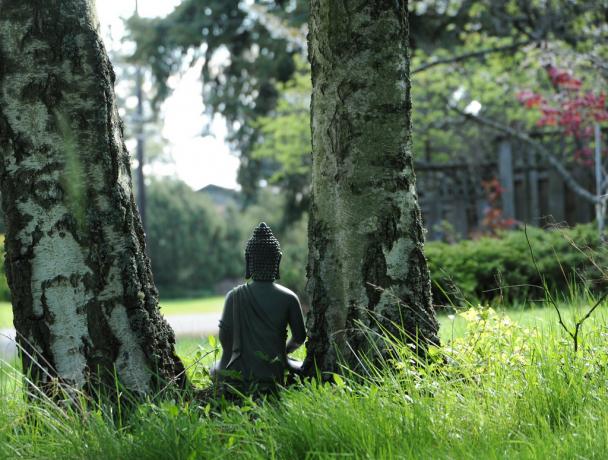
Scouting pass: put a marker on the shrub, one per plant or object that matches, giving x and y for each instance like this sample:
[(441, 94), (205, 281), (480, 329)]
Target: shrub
[(502, 267), (191, 244), (198, 247)]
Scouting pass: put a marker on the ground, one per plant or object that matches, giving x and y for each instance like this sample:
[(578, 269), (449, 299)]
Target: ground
[(503, 387)]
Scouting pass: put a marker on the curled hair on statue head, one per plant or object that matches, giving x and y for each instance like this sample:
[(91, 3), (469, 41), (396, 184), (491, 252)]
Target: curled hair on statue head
[(262, 255)]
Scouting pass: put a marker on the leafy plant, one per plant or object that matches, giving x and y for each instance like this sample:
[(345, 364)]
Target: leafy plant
[(490, 268)]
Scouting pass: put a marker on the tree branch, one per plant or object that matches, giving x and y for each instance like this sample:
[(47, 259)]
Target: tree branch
[(541, 149), (470, 55), (278, 26)]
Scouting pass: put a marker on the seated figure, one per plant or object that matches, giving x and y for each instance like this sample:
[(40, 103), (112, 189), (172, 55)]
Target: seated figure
[(253, 327)]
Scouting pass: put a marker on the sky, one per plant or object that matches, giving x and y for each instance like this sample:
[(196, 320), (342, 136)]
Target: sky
[(197, 160)]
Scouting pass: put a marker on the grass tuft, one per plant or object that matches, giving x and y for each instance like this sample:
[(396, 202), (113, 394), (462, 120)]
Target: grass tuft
[(499, 387)]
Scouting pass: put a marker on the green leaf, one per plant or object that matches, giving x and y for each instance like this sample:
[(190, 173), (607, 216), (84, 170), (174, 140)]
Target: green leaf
[(339, 381), (230, 442)]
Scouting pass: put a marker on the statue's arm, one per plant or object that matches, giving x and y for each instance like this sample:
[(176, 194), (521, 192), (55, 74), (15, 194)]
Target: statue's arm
[(225, 334), (296, 324)]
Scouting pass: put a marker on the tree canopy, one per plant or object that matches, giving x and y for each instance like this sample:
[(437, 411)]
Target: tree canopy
[(475, 54)]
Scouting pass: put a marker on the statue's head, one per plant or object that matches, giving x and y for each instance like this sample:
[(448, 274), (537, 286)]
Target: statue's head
[(262, 255)]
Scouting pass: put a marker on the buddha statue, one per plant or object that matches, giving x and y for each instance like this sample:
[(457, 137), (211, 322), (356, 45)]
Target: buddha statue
[(253, 326)]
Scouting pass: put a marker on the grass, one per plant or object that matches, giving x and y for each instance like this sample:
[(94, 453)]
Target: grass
[(168, 308), (501, 388), (538, 316), (6, 315), (526, 314), (196, 305)]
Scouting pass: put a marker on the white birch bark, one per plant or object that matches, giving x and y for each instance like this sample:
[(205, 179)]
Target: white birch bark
[(85, 304)]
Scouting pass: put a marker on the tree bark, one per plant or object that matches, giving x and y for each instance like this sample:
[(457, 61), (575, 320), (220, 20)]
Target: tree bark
[(84, 301), (366, 265)]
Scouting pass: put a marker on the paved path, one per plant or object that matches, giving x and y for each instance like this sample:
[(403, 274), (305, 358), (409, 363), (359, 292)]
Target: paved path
[(7, 343), (194, 325)]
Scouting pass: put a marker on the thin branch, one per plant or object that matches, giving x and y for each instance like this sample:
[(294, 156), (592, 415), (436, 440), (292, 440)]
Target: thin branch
[(547, 292), (278, 26), (578, 324), (471, 55), (591, 310), (541, 149)]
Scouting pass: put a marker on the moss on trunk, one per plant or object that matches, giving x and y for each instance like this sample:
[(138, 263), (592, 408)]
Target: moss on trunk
[(85, 305), (366, 264)]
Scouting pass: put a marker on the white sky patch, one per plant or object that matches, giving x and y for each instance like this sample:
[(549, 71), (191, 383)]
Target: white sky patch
[(473, 108), (197, 160), (457, 95)]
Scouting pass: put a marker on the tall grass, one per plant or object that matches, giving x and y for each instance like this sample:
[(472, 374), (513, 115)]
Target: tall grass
[(499, 389)]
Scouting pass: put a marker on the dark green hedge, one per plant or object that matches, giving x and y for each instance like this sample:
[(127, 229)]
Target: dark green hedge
[(486, 268), (206, 248)]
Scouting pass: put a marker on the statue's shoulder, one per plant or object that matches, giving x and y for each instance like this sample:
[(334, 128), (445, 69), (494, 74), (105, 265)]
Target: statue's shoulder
[(286, 291), (232, 291)]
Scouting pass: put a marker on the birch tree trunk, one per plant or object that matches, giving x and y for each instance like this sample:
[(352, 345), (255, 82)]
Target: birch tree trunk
[(365, 231), (84, 301)]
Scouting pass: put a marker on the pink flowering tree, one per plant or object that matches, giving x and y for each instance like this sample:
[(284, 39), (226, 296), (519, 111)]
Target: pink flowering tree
[(577, 113), (570, 108)]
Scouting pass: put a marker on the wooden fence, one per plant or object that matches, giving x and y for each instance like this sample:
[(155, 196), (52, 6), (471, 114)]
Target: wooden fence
[(532, 192)]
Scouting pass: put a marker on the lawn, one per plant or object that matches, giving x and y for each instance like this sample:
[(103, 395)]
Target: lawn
[(505, 387), (452, 325), (169, 307), (539, 316), (6, 315), (195, 305)]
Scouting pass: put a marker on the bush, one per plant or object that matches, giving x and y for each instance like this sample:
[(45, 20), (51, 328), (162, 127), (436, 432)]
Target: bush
[(191, 244), (294, 245), (491, 267), (198, 248)]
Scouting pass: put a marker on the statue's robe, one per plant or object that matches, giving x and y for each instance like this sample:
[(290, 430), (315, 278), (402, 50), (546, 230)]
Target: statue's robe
[(253, 334)]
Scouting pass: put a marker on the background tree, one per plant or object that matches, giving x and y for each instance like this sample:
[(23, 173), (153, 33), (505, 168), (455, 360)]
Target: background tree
[(197, 245), (474, 50), (85, 305), (192, 244), (366, 261), (243, 61)]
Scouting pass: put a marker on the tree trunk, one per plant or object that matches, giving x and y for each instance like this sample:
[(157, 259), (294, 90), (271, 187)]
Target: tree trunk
[(366, 264), (84, 301)]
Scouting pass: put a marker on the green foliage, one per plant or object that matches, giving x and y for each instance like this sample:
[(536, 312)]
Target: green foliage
[(285, 135), (251, 88), (243, 61), (191, 244), (439, 134), (489, 267), (501, 390), (493, 339), (194, 245), (294, 246), (285, 140)]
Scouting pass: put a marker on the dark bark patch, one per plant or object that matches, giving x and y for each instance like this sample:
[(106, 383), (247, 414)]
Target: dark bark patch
[(339, 132), (48, 91), (101, 350), (373, 269)]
